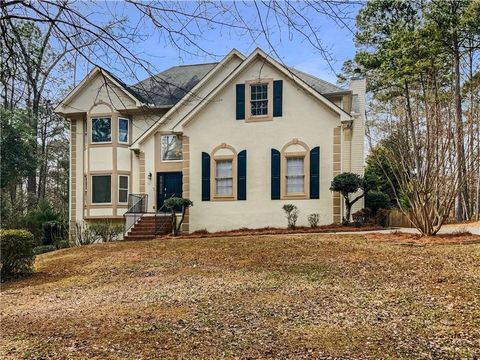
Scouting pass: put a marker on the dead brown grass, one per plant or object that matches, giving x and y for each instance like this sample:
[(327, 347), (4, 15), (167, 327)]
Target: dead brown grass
[(282, 296), (459, 237)]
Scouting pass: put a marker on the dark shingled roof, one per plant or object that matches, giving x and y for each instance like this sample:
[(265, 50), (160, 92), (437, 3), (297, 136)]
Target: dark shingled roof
[(321, 86), (168, 87)]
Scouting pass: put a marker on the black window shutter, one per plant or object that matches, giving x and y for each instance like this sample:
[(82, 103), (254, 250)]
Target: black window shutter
[(242, 175), (275, 174), (205, 176), (315, 173), (277, 98), (240, 101)]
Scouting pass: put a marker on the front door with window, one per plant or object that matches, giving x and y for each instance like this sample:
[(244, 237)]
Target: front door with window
[(169, 184)]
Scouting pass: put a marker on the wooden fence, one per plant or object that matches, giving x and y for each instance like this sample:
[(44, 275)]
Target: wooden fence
[(396, 218)]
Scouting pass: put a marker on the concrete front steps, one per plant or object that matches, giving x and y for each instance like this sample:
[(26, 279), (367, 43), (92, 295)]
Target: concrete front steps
[(145, 228)]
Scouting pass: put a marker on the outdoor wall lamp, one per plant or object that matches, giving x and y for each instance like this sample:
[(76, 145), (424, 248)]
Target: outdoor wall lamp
[(149, 176)]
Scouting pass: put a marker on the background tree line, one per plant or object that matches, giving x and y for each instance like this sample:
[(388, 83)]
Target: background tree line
[(421, 59)]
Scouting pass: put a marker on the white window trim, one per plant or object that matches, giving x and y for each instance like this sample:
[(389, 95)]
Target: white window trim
[(161, 151), (128, 130), (304, 175), (91, 192), (91, 130), (217, 160), (128, 188)]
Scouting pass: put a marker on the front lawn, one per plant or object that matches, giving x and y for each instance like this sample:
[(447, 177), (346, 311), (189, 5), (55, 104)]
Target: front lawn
[(279, 296)]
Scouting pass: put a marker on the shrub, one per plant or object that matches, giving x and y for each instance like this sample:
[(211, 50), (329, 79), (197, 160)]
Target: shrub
[(53, 231), (106, 230), (16, 252), (35, 218), (63, 244), (376, 200), (361, 216), (381, 217), (313, 220), (201, 232), (44, 249), (84, 235), (291, 212)]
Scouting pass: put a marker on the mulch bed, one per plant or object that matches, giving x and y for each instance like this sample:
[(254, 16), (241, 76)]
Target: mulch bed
[(277, 231)]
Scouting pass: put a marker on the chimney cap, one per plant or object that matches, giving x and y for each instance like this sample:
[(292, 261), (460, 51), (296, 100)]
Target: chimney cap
[(357, 74)]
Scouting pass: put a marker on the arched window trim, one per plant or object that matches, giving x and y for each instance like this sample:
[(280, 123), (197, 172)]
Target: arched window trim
[(285, 154), (214, 157)]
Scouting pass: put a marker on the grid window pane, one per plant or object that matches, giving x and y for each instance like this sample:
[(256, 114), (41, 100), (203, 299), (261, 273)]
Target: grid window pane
[(101, 130), (101, 189), (295, 175), (224, 177), (259, 99), (171, 147), (123, 182), (123, 130), (122, 196), (123, 189)]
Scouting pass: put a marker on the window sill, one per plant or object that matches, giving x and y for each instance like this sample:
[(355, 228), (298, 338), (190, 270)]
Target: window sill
[(299, 196), (100, 205), (101, 143), (171, 161), (223, 198), (258, 118)]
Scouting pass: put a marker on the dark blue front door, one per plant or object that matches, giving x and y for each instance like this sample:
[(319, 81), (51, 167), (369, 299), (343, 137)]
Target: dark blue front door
[(169, 184)]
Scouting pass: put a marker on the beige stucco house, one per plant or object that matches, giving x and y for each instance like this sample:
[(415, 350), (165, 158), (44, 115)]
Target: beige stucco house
[(240, 138)]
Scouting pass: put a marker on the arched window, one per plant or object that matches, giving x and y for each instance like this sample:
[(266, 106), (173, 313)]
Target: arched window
[(224, 173), (295, 171)]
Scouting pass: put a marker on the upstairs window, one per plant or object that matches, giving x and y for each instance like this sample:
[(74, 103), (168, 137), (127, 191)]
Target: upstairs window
[(171, 148), (101, 130), (123, 130), (259, 99)]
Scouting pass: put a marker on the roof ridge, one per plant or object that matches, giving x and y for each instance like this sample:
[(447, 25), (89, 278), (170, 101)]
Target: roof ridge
[(209, 63)]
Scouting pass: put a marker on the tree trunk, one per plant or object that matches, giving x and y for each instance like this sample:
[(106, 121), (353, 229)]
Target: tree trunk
[(348, 211), (462, 196)]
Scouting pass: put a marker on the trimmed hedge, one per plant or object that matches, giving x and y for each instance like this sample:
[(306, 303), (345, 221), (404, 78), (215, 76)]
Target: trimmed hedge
[(17, 255), (63, 244), (43, 249)]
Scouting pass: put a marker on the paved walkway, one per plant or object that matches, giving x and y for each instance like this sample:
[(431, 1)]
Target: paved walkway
[(473, 228)]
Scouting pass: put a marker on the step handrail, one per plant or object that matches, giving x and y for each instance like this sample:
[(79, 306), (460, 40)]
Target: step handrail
[(138, 205)]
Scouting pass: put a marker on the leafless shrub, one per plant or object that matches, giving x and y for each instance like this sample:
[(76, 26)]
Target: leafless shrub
[(313, 220)]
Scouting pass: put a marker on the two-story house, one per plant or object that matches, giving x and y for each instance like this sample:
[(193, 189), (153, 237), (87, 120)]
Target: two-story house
[(240, 138)]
